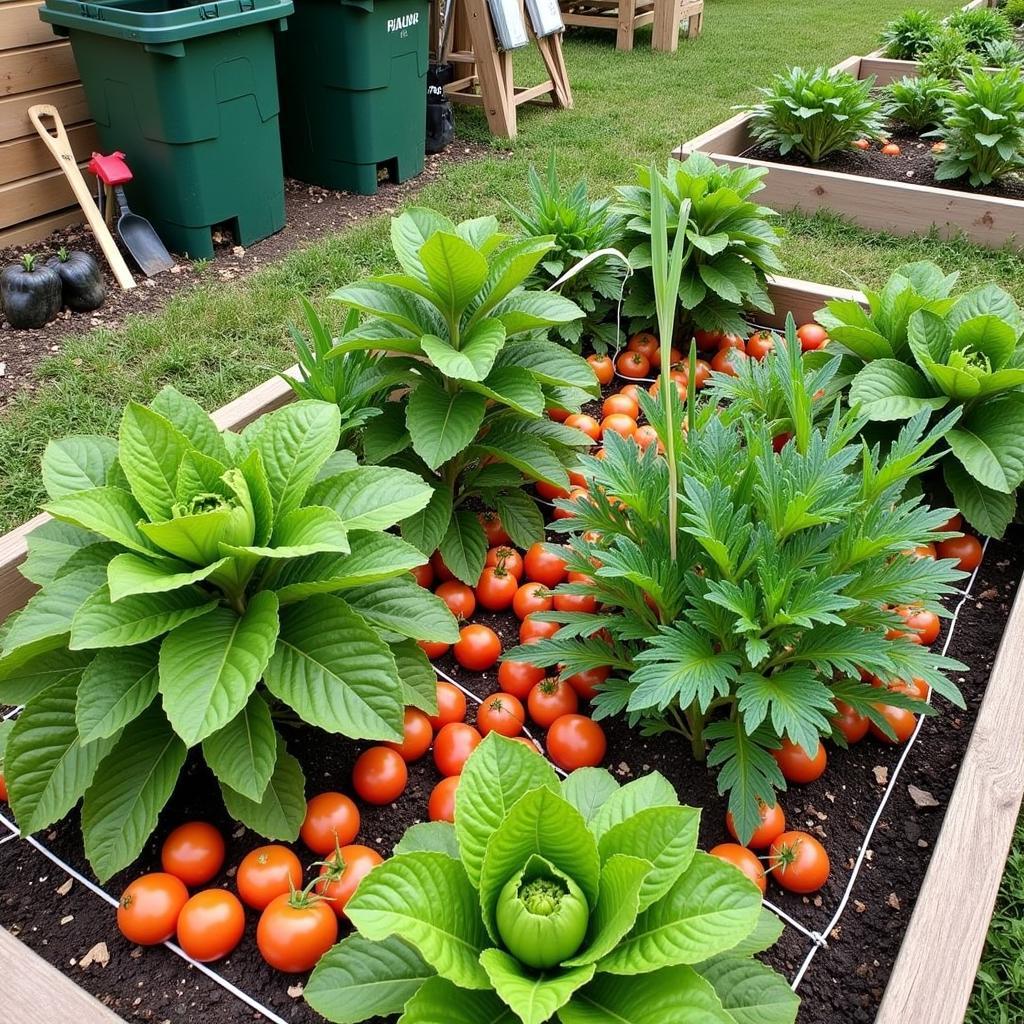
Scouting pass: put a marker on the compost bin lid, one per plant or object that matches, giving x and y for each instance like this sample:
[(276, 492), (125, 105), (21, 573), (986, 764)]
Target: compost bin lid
[(160, 21)]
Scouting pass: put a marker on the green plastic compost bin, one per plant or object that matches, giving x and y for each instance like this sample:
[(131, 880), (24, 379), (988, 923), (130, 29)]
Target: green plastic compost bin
[(188, 91), (353, 78)]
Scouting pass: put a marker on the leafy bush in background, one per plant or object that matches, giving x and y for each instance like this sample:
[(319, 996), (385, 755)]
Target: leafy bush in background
[(909, 35), (1004, 53), (1014, 11), (917, 102), (980, 27), (948, 56)]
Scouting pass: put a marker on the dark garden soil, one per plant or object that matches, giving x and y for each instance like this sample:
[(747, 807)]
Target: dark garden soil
[(844, 983), (915, 165), (311, 212)]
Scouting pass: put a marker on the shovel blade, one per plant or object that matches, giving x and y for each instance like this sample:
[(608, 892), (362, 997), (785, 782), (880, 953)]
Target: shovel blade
[(142, 241)]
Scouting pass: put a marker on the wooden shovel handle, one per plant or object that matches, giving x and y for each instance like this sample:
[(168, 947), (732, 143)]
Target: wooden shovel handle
[(58, 144)]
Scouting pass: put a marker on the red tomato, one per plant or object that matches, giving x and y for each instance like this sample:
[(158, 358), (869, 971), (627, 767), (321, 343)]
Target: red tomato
[(532, 597), (496, 589), (966, 550), (916, 688), (924, 623), (852, 724), (441, 571), (193, 852), (645, 436), (3, 788), (533, 629), (620, 405), (586, 603), (478, 647), (799, 862), (424, 575), (680, 386), (518, 678), (760, 344), (451, 705), (702, 374), (575, 741), (441, 805), (549, 700), (603, 368), (433, 649), (544, 566), (267, 872), (556, 414), (631, 391), (706, 340), (585, 682), (891, 149), (589, 426), (812, 337), (332, 819), (633, 365), (211, 925), (901, 721), (295, 931), (549, 492), (733, 341), (799, 766), (646, 344), (576, 492), (726, 360), (453, 745), (773, 824), (779, 441), (494, 531), (953, 524), (861, 144), (380, 775), (339, 876), (147, 913), (742, 858), (501, 713), (459, 598), (624, 426), (417, 736), (506, 558), (674, 356), (921, 551)]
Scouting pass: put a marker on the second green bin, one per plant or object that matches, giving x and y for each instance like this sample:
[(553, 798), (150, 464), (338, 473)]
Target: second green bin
[(353, 82)]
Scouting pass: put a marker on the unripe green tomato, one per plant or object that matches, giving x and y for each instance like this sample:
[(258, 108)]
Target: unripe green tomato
[(544, 921)]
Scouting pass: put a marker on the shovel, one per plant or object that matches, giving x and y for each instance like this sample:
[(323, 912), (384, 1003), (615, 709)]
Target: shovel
[(139, 236)]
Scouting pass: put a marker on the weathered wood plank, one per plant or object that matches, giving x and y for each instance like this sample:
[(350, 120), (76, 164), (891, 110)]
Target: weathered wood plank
[(36, 67), (31, 198), (34, 230), (68, 99), (22, 158), (20, 25)]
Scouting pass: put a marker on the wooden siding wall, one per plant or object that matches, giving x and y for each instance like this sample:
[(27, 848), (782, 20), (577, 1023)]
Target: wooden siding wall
[(36, 67)]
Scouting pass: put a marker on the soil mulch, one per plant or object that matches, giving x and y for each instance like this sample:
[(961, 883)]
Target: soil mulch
[(311, 212), (915, 165)]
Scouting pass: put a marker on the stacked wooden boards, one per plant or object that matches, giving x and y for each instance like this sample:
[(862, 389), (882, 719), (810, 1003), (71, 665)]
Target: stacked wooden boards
[(36, 67)]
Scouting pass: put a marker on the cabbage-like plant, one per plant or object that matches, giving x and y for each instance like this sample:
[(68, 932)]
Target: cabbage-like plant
[(981, 26), (731, 242), (193, 581), (815, 112), (1004, 53), (928, 349), (916, 101), (909, 35), (579, 900), (479, 371)]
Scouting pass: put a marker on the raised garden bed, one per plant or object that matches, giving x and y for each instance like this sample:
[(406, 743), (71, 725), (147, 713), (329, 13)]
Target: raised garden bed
[(900, 206), (874, 882)]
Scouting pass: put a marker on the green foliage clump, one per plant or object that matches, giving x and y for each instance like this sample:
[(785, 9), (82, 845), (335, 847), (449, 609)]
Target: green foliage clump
[(916, 101), (981, 26), (816, 112), (909, 35), (192, 581), (948, 56), (983, 128), (579, 227), (927, 349), (1004, 53), (573, 900), (1014, 11)]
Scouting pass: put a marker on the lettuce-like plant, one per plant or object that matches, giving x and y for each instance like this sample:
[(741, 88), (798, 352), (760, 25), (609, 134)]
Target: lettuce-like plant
[(1004, 53), (918, 102), (816, 112), (228, 574), (928, 350), (731, 243), (909, 35), (786, 564), (981, 26), (471, 422), (579, 900)]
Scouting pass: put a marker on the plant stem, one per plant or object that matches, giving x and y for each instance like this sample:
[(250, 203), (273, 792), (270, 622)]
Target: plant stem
[(696, 720)]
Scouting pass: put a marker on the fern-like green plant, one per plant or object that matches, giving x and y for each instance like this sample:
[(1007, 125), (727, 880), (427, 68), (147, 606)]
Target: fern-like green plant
[(981, 26), (1014, 11), (917, 102), (909, 35), (947, 56)]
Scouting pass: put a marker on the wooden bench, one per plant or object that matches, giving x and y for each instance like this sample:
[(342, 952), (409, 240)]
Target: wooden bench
[(624, 17)]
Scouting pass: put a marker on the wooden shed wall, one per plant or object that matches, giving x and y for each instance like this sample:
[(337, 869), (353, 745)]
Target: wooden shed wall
[(36, 67)]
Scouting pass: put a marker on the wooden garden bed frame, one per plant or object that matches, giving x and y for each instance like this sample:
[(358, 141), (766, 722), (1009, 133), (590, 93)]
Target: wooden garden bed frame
[(900, 207), (932, 978)]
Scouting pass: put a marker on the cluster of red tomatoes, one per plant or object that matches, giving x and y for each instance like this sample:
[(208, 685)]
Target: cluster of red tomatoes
[(887, 148)]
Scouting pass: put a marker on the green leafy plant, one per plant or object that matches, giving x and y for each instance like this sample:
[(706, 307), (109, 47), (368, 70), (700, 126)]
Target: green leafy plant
[(917, 102), (579, 228), (230, 574), (1014, 11), (1003, 54), (731, 242), (983, 128), (776, 600), (948, 56), (579, 900), (472, 421), (926, 350), (816, 112), (981, 26), (909, 35)]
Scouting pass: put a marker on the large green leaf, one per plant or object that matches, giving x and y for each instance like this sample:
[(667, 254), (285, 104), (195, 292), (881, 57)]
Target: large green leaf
[(588, 789), (210, 665), (129, 574), (243, 753), (279, 812), (116, 687), (988, 334), (464, 547), (419, 680), (78, 462), (373, 497), (427, 900), (439, 1000), (528, 311), (408, 310), (549, 363), (512, 386), (711, 907), (429, 837), (985, 509), (128, 792), (192, 420), (332, 668), (752, 993), (19, 684), (409, 231), (496, 775), (49, 766), (887, 389), (108, 511), (536, 997), (311, 530), (359, 978), (50, 545), (651, 790), (955, 382), (521, 517), (403, 607), (134, 620), (454, 269), (989, 441), (426, 529), (442, 424), (150, 450), (863, 342)]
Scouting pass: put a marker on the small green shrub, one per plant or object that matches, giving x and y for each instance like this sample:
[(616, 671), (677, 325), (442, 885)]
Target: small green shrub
[(948, 56), (917, 102), (909, 35), (980, 27), (1003, 54), (816, 112), (1014, 11)]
